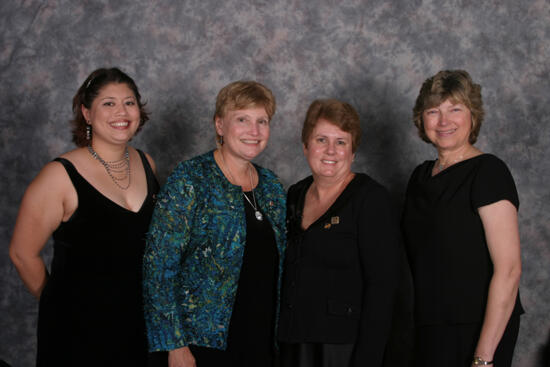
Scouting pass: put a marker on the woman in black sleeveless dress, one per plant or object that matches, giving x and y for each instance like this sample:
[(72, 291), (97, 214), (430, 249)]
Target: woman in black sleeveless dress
[(97, 202)]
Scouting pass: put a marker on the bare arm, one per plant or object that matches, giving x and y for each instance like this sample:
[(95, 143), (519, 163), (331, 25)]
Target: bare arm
[(45, 204), (501, 231), (181, 357)]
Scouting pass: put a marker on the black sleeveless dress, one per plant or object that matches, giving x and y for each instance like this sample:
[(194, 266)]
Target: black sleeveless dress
[(91, 311)]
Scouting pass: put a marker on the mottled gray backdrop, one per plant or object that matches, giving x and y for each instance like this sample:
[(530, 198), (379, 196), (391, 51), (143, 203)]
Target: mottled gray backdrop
[(374, 54)]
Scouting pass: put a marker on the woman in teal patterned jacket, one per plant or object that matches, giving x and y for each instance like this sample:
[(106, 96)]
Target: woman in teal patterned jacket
[(214, 253)]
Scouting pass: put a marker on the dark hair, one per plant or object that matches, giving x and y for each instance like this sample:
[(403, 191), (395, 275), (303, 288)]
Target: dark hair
[(244, 94), (90, 89), (338, 113), (458, 87)]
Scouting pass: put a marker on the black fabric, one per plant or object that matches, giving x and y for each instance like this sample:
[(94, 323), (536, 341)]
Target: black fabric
[(340, 274), (250, 342), (91, 307), (454, 345), (315, 355), (445, 239)]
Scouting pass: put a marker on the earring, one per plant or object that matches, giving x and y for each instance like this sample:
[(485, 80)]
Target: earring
[(88, 132), (221, 139)]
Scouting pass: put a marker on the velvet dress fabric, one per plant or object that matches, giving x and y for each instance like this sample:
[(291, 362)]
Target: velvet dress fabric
[(91, 309)]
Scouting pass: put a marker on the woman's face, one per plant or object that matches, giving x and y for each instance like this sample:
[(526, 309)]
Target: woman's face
[(448, 125), (329, 151), (114, 114), (245, 132)]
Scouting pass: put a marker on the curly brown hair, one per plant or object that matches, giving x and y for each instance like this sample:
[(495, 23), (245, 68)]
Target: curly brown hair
[(90, 89)]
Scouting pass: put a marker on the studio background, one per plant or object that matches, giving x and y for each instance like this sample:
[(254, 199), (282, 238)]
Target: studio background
[(373, 54)]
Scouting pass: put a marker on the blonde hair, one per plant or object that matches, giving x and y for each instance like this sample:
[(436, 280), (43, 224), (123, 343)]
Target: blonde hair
[(244, 94)]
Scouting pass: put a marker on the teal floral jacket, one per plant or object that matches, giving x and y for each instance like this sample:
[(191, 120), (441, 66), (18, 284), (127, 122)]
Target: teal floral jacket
[(194, 252)]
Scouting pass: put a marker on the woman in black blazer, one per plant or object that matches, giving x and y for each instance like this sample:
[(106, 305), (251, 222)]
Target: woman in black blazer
[(341, 265)]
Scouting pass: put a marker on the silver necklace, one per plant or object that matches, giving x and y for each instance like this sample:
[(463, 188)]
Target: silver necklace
[(118, 170), (257, 213)]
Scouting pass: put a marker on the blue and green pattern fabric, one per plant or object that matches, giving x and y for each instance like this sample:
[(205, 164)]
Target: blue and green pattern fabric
[(194, 252)]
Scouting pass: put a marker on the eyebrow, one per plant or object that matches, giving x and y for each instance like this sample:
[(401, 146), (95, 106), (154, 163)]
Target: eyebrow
[(336, 137), (109, 97), (245, 115)]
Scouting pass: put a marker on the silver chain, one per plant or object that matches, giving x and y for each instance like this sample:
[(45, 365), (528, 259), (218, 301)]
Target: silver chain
[(117, 167), (257, 213)]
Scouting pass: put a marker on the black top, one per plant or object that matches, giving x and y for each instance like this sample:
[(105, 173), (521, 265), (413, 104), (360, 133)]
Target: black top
[(340, 274), (91, 307), (445, 240), (253, 318), (250, 342)]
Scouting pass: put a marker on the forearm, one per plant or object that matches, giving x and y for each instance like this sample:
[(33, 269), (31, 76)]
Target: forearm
[(32, 271), (503, 291), (181, 357)]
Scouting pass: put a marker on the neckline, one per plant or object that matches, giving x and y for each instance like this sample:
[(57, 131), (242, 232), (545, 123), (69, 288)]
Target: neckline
[(450, 168), (114, 203), (221, 174), (343, 195)]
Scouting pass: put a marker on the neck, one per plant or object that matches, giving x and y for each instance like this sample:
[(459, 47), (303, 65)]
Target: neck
[(109, 152), (239, 172), (446, 157), (326, 186), (238, 167)]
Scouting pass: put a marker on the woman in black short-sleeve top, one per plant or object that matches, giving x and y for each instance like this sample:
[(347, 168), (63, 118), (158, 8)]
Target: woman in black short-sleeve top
[(461, 233)]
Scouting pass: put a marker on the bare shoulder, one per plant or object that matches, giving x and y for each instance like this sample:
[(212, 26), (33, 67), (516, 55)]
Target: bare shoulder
[(75, 155), (52, 180)]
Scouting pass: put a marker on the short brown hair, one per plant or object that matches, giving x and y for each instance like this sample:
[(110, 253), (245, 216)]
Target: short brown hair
[(244, 94), (338, 113), (455, 85), (88, 92)]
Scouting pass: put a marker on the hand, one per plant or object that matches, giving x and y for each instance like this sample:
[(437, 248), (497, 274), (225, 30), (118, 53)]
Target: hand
[(181, 357)]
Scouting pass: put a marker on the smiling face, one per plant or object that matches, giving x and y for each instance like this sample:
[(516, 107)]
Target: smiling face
[(448, 125), (329, 151), (114, 114), (245, 132)]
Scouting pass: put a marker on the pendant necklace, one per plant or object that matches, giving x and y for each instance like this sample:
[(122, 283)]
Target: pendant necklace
[(257, 213)]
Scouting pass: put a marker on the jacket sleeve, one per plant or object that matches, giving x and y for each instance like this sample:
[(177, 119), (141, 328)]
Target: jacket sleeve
[(378, 241), (167, 242)]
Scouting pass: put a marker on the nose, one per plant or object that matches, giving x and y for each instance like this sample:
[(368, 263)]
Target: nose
[(254, 128), (121, 109), (443, 119), (331, 147)]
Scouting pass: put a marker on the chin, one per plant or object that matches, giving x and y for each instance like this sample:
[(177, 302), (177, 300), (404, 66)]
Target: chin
[(252, 154)]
